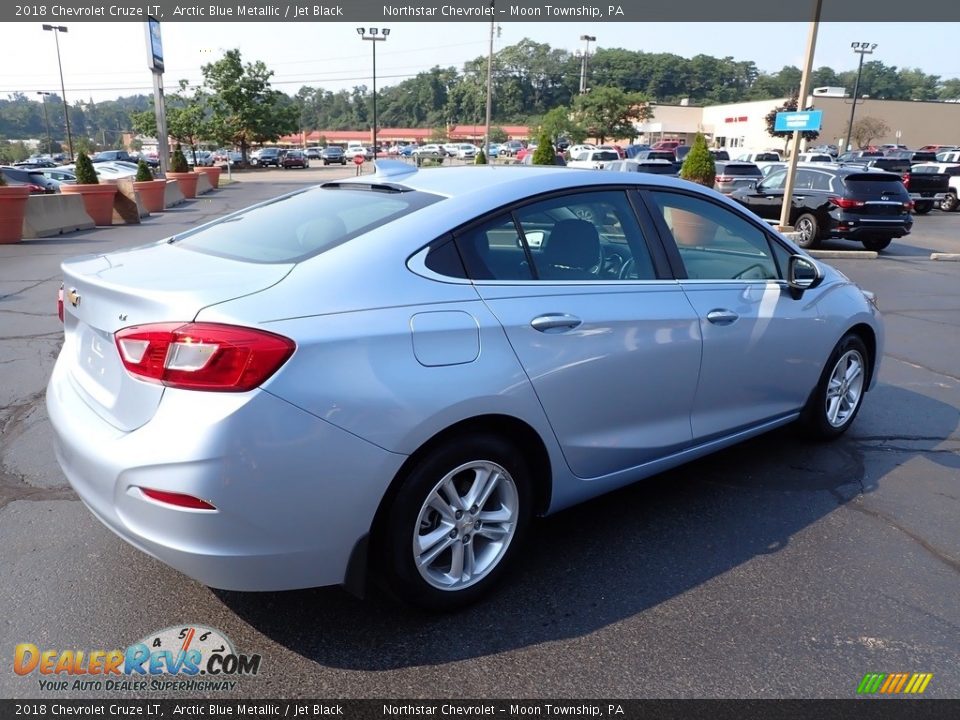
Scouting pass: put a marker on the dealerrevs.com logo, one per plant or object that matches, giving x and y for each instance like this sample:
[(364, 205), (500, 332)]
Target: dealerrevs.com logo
[(190, 658)]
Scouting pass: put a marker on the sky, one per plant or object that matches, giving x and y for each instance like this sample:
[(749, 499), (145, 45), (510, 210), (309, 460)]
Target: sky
[(103, 61)]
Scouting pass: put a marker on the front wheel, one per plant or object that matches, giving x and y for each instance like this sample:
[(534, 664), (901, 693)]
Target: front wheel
[(456, 523), (808, 231), (876, 244), (923, 207), (838, 396), (949, 203)]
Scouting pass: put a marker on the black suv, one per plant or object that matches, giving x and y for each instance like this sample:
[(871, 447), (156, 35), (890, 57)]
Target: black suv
[(270, 156), (852, 203)]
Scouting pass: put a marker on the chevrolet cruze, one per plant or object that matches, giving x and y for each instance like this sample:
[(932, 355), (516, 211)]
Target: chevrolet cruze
[(387, 377)]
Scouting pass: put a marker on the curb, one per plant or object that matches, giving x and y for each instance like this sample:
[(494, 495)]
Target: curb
[(841, 254), (947, 257)]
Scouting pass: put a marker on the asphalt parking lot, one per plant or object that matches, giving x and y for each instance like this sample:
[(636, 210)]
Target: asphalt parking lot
[(778, 568)]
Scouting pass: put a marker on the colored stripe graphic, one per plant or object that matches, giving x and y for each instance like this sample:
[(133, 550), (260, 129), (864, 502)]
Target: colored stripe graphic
[(894, 683)]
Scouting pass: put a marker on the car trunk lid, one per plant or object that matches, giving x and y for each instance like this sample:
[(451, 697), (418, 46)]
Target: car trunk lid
[(158, 283)]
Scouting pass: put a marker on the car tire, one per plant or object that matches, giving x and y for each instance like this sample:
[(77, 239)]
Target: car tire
[(440, 550), (835, 402), (949, 203), (923, 207), (876, 244), (808, 228)]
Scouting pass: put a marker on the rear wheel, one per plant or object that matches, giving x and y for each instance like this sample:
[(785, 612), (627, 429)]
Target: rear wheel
[(838, 396), (808, 229), (949, 203), (923, 207), (876, 244), (456, 523)]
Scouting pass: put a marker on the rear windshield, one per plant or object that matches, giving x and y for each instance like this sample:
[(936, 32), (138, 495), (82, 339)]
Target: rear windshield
[(295, 227), (656, 168), (748, 170), (606, 155), (661, 155), (875, 184), (768, 157), (892, 164)]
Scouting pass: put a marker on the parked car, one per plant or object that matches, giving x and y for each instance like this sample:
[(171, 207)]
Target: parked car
[(720, 154), (110, 155), (577, 149), (299, 397), (333, 154), (429, 151), (668, 155), (654, 167), (937, 148), (409, 150), (815, 157), (58, 174), (857, 155), (466, 151), (202, 158), (451, 149), (295, 159), (525, 152), (631, 150), (593, 159), (33, 178), (733, 174), (268, 157), (493, 150), (925, 191), (951, 170), (35, 163), (831, 150), (667, 145), (510, 148), (851, 203)]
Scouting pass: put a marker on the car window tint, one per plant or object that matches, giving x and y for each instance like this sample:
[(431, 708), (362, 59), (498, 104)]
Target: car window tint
[(804, 180), (775, 181), (715, 243), (445, 260), (297, 226), (586, 236), (820, 181), (493, 250)]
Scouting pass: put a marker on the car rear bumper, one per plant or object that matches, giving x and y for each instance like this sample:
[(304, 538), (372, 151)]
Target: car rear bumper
[(853, 226), (293, 494)]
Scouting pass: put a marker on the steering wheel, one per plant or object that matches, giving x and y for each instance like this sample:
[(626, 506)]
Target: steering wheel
[(627, 268)]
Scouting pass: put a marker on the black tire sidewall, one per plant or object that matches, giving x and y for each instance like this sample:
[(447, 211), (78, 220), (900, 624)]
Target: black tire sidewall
[(398, 569), (814, 417)]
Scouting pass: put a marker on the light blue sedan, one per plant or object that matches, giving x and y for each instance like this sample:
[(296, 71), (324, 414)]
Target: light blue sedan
[(389, 376)]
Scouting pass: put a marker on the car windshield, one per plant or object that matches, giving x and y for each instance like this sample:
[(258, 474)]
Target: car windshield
[(295, 227)]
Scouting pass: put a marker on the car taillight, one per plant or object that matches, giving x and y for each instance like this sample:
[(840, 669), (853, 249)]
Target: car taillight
[(202, 356), (846, 203), (724, 178), (909, 204), (60, 302), (906, 179)]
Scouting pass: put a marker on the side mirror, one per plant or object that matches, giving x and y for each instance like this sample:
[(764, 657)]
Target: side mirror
[(803, 273), (756, 185)]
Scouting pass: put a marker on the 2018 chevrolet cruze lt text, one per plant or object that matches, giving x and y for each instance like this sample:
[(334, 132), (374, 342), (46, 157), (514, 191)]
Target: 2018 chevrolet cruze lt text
[(389, 376)]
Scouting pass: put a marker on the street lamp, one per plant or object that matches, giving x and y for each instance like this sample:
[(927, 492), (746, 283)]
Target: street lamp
[(46, 118), (56, 29), (375, 35), (863, 49), (587, 39)]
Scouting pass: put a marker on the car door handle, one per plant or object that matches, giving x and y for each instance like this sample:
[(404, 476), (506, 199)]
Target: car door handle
[(722, 317), (555, 321)]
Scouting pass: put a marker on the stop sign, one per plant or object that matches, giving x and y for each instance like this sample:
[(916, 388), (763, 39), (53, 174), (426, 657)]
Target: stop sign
[(358, 159)]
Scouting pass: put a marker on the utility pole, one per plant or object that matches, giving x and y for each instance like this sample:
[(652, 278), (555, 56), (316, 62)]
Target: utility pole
[(863, 49), (486, 130), (56, 30), (584, 61), (46, 119)]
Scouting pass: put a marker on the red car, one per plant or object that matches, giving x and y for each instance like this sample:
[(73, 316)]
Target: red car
[(295, 158), (667, 145)]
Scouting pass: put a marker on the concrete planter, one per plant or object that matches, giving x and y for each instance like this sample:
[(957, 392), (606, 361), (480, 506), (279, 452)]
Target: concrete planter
[(188, 182), (97, 199), (151, 193), (212, 173), (13, 208)]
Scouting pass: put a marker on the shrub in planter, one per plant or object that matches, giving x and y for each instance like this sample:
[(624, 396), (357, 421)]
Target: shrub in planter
[(180, 171), (699, 166), (151, 191), (480, 159), (97, 198), (544, 154)]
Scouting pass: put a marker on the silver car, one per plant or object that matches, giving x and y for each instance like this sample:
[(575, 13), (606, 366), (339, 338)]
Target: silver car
[(391, 375)]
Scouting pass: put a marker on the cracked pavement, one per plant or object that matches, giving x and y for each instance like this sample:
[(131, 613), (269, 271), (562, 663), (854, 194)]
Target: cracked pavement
[(778, 568)]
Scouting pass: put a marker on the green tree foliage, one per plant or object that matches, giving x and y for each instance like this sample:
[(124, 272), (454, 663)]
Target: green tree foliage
[(559, 123), (481, 158), (544, 154), (699, 166), (243, 103), (13, 152), (85, 173), (143, 172), (609, 112), (771, 120), (498, 135), (178, 163)]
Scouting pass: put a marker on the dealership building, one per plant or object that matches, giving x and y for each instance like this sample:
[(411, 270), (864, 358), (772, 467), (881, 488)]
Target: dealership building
[(743, 125)]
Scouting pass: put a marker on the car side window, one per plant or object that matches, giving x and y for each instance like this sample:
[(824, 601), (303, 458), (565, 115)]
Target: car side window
[(820, 181), (776, 181), (494, 250), (804, 180), (586, 236), (715, 243)]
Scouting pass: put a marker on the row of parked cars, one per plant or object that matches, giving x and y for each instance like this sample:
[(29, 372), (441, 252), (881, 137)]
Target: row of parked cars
[(47, 180)]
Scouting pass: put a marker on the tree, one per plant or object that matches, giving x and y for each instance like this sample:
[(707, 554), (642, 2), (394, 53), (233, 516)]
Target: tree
[(143, 172), (771, 120), (178, 163), (498, 135), (558, 123), (244, 105), (699, 166), (609, 112), (866, 129)]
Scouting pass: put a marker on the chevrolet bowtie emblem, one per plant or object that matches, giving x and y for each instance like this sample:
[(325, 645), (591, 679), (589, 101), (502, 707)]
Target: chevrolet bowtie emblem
[(74, 297)]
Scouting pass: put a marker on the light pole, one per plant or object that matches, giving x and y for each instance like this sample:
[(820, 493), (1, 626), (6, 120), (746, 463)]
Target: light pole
[(56, 29), (375, 35), (585, 58), (46, 119), (863, 49)]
